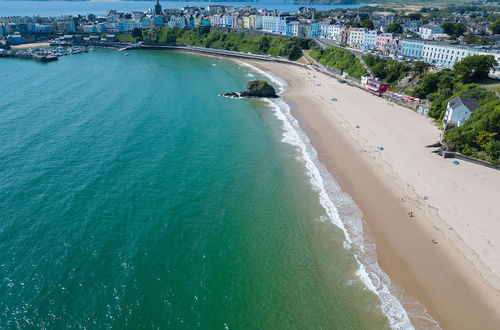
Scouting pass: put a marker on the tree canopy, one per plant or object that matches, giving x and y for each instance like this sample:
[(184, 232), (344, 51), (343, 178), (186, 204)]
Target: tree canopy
[(414, 16), (495, 27), (368, 24), (454, 30), (136, 33), (475, 68), (395, 28)]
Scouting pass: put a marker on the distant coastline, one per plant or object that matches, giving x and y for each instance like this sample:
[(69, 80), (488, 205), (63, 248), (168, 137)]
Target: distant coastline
[(132, 0)]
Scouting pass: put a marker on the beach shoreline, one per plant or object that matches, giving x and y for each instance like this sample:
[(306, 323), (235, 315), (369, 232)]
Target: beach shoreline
[(455, 288)]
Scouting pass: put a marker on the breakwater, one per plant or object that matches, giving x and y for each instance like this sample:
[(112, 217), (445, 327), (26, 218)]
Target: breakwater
[(38, 58)]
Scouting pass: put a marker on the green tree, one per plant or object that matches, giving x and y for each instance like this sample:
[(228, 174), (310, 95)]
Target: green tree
[(294, 52), (454, 30), (495, 27), (395, 28), (448, 27), (460, 29), (264, 44), (428, 84), (475, 68), (475, 40), (414, 16), (484, 138), (368, 24), (137, 33), (420, 67)]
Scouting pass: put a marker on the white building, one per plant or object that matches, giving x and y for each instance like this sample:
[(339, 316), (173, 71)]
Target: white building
[(444, 55), (369, 40), (355, 37), (337, 32), (459, 110), (270, 23), (323, 30), (426, 31), (89, 28)]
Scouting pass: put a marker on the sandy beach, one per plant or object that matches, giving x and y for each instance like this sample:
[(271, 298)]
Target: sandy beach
[(31, 45), (448, 255)]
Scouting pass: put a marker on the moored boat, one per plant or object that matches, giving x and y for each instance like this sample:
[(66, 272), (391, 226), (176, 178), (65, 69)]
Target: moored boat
[(41, 58)]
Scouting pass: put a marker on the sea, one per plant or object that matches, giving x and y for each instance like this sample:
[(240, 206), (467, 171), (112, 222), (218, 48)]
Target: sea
[(58, 8), (132, 195)]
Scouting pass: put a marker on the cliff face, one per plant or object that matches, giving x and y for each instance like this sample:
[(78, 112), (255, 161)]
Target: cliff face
[(259, 88)]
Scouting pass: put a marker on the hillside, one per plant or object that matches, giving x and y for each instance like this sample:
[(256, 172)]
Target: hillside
[(290, 48), (340, 59)]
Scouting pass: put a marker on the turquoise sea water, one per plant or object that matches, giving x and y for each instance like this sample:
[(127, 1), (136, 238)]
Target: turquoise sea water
[(133, 195)]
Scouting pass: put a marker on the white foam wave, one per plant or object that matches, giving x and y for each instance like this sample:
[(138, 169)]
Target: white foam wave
[(332, 198), (320, 180)]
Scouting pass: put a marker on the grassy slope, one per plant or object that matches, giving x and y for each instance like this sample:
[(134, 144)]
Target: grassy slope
[(340, 59), (125, 38), (235, 41)]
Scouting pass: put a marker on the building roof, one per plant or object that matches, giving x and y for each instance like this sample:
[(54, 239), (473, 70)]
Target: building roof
[(469, 103)]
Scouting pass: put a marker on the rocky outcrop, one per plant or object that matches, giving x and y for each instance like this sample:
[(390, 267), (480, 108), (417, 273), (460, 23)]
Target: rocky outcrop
[(255, 88), (434, 145)]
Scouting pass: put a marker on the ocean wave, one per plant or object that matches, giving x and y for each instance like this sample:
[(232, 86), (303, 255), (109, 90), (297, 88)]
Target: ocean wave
[(332, 198)]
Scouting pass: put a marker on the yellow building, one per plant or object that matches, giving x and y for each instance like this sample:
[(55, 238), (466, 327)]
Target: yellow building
[(246, 22)]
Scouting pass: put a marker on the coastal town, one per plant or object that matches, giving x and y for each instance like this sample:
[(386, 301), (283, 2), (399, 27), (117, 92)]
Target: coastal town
[(387, 52), (384, 51)]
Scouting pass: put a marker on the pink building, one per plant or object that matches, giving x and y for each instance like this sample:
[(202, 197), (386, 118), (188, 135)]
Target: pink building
[(235, 21), (383, 40)]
